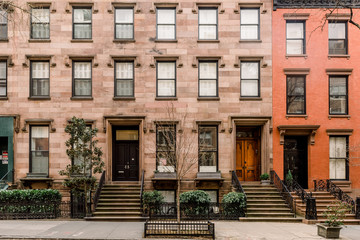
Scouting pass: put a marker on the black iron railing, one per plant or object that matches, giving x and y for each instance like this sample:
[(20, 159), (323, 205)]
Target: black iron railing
[(142, 190), (98, 190), (212, 211), (184, 228), (237, 185), (3, 183), (284, 192), (311, 211), (316, 4), (357, 209), (329, 186)]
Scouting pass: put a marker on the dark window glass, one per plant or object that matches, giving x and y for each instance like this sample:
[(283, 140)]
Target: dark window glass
[(208, 24), (337, 38), (124, 23), (39, 149), (40, 79), (338, 95), (166, 24), (295, 97), (3, 78), (250, 79), (3, 24), (249, 24), (124, 79), (82, 21), (165, 148), (208, 149), (82, 79), (295, 37), (166, 79)]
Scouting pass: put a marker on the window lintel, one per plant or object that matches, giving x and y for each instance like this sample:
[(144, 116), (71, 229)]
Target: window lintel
[(81, 4), (338, 16), (339, 71), (39, 57), (217, 5), (250, 59), (296, 71), (296, 16), (339, 132), (115, 5), (123, 58), (208, 122), (39, 4), (42, 122)]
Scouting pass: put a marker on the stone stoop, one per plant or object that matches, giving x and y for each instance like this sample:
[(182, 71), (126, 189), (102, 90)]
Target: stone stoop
[(323, 199), (264, 204), (118, 202)]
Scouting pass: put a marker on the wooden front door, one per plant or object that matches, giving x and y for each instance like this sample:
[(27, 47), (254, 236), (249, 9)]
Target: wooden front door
[(247, 159), (295, 159), (125, 160)]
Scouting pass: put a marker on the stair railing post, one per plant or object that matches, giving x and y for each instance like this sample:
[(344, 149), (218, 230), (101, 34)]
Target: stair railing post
[(327, 185), (315, 186), (311, 212), (357, 208)]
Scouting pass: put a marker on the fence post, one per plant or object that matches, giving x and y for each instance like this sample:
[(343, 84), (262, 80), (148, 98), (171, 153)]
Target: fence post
[(315, 186), (311, 213), (357, 208), (327, 185)]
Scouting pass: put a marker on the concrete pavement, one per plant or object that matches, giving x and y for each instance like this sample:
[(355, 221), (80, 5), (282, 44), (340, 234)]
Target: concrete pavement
[(225, 230)]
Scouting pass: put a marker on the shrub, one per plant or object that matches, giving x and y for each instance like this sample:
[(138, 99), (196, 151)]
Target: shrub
[(289, 179), (234, 203), (264, 176), (152, 199), (195, 202), (336, 213)]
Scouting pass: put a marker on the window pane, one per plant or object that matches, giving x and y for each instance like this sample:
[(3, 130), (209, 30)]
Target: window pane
[(337, 47), (40, 15), (82, 69), (166, 32), (169, 196), (40, 162), (207, 161), (166, 70), (337, 168), (40, 31), (166, 88), (3, 31), (127, 135), (124, 70), (295, 86), (40, 87), (208, 70), (249, 32), (294, 46), (207, 32), (2, 87), (40, 69), (207, 16), (2, 70), (213, 195), (338, 104), (249, 88), (124, 31), (124, 87), (294, 30), (296, 105), (249, 70), (40, 138), (82, 15), (207, 88), (82, 87), (249, 16), (3, 16), (165, 16), (337, 86), (337, 31), (208, 138), (124, 15), (82, 31)]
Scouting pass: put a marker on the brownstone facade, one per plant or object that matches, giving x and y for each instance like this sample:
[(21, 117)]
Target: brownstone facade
[(234, 115)]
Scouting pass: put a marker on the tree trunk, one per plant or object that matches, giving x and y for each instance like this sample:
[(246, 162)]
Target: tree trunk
[(178, 200)]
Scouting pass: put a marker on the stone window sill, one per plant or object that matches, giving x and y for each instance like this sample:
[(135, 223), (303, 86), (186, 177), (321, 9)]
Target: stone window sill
[(166, 98), (124, 40), (250, 99), (4, 98), (166, 41), (208, 41), (82, 98), (4, 40), (208, 99), (124, 98), (297, 116), (296, 55), (338, 56), (339, 116), (36, 98), (251, 41), (39, 40), (82, 41)]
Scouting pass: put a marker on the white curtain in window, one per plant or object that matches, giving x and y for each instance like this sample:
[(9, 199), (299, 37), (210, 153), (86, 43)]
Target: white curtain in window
[(249, 32), (166, 88), (124, 88), (39, 133), (166, 70), (207, 16), (124, 31), (294, 46), (249, 88), (83, 87), (40, 15), (294, 30), (124, 16), (166, 32), (2, 70), (166, 16), (208, 70), (82, 69), (82, 15), (337, 162), (207, 32), (40, 69), (207, 88), (124, 70), (249, 70), (337, 31), (249, 16)]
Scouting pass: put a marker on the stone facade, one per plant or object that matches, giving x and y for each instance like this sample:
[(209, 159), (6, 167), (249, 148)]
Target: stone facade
[(227, 111)]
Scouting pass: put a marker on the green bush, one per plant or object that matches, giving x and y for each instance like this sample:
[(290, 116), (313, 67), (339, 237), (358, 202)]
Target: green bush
[(152, 199), (195, 202), (289, 179), (264, 176), (234, 203)]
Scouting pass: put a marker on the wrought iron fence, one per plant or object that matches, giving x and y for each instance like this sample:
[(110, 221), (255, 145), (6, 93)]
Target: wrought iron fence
[(212, 211), (311, 211), (184, 228), (315, 4), (284, 192), (357, 213), (329, 186)]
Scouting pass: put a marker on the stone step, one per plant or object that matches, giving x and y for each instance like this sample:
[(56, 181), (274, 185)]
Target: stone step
[(112, 213), (118, 219), (116, 204), (265, 201), (271, 215), (263, 197), (267, 205), (118, 208), (261, 193), (250, 190), (132, 186), (132, 200), (270, 219), (267, 210), (116, 196)]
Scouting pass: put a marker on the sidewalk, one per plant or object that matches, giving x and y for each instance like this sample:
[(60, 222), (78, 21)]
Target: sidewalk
[(29, 229)]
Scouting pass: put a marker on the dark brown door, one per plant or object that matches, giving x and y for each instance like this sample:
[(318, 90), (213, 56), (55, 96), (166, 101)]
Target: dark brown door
[(295, 159), (247, 160), (125, 159)]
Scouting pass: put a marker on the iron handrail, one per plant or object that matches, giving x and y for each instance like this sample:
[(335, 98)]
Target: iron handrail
[(284, 192), (295, 187), (98, 190), (142, 189), (237, 185), (10, 171), (311, 211)]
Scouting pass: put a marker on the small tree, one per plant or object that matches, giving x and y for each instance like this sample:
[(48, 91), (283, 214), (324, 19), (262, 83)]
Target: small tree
[(85, 159)]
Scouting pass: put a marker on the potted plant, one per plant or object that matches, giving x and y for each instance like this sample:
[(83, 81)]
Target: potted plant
[(335, 215), (289, 180), (265, 179)]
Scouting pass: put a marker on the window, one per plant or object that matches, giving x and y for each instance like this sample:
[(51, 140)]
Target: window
[(295, 37), (338, 157), (208, 79), (39, 149), (165, 147), (124, 23), (82, 79), (124, 79), (213, 194), (82, 23), (169, 195), (40, 23), (249, 24), (166, 20), (40, 79), (208, 24), (338, 95), (3, 25), (3, 79), (337, 38), (208, 148), (250, 78), (295, 97), (166, 79)]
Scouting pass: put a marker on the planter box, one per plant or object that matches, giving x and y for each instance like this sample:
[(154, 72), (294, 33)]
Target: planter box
[(328, 232), (265, 182)]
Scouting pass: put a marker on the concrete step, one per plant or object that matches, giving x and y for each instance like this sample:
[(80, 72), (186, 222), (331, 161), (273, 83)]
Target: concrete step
[(118, 208), (264, 197), (261, 193), (117, 219), (267, 210), (116, 196), (272, 215), (270, 219), (131, 200), (113, 213), (117, 204), (267, 205), (265, 201)]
